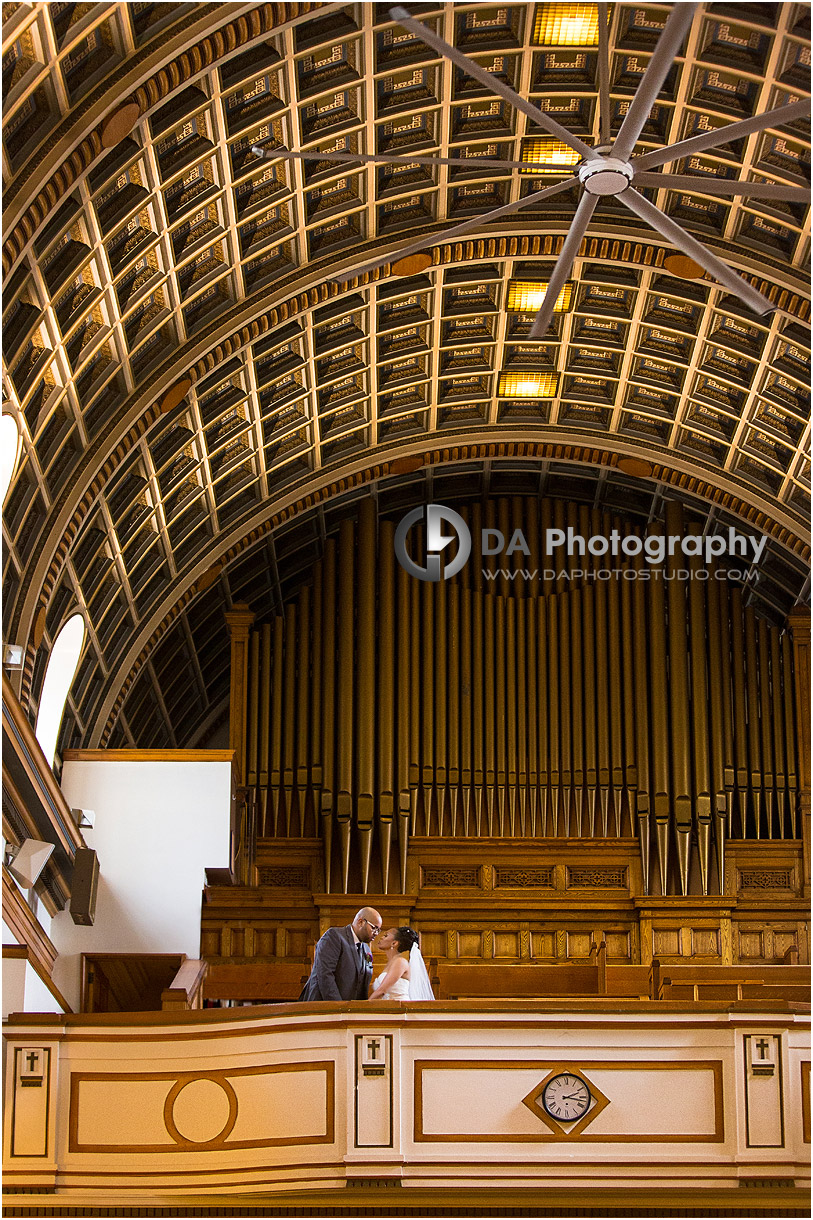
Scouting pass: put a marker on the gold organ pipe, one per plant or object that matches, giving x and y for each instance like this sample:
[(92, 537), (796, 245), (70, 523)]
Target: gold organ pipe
[(780, 731), (365, 706), (346, 695), (790, 731), (303, 702), (700, 720), (727, 707), (521, 671), (679, 691), (428, 701), (499, 711), (602, 703), (564, 708), (765, 717), (466, 703), (489, 693), (475, 569), (617, 725), (289, 683), (512, 728), (740, 718), (415, 673), (533, 692), (545, 523), (265, 727), (641, 676), (536, 558), (277, 718), (253, 708), (316, 683), (384, 707), (403, 705), (561, 565), (659, 711), (718, 677), (576, 683), (554, 752), (328, 696), (490, 522), (590, 744), (453, 701), (752, 704), (440, 709), (630, 775), (480, 779)]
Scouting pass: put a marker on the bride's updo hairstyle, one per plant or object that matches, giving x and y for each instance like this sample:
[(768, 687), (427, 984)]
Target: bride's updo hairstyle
[(405, 938)]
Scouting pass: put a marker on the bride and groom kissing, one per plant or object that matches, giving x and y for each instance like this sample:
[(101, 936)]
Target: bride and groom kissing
[(343, 963)]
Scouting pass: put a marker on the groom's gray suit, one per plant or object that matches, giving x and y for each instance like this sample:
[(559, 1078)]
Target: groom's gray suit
[(341, 971)]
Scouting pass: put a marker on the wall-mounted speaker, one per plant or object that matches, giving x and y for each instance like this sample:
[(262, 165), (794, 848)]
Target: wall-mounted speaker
[(85, 886)]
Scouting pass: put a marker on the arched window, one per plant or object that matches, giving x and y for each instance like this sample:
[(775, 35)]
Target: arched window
[(59, 673), (9, 452)]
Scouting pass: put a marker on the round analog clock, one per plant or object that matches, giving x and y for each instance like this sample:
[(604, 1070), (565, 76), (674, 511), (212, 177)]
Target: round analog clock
[(566, 1097)]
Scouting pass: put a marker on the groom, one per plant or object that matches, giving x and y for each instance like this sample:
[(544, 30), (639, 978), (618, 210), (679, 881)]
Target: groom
[(343, 963)]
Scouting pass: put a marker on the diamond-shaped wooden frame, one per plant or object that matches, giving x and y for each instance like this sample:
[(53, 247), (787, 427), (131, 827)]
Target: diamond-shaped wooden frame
[(566, 1132)]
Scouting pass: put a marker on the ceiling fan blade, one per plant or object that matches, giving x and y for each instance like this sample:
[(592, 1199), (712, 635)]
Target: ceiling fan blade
[(603, 76), (285, 154), (725, 186), (678, 236), (466, 226), (564, 264), (723, 135), (491, 82), (669, 44)]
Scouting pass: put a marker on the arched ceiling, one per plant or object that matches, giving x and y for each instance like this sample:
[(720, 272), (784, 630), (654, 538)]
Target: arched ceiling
[(199, 399)]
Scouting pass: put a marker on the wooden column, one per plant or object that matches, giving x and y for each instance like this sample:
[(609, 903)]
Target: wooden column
[(799, 625), (239, 621)]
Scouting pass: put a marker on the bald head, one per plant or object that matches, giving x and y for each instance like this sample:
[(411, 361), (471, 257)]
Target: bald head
[(367, 924)]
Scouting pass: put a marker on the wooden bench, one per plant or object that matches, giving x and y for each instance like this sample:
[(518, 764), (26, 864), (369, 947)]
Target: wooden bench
[(696, 982)]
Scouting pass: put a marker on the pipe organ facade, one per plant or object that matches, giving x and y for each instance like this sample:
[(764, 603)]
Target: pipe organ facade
[(535, 700)]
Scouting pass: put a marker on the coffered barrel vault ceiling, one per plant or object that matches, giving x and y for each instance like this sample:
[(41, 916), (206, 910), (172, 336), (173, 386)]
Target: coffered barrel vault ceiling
[(200, 401)]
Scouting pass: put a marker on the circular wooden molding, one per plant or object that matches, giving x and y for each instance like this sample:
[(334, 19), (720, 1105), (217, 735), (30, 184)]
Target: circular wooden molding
[(412, 264), (635, 466), (120, 123), (175, 395), (683, 267)]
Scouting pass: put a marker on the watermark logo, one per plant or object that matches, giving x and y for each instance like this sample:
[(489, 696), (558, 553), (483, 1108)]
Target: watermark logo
[(436, 542), (653, 550)]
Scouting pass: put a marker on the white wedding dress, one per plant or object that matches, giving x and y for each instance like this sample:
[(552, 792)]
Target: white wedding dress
[(417, 987), (398, 991)]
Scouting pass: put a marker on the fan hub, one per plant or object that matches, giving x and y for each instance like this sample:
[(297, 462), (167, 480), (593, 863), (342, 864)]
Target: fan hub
[(605, 175)]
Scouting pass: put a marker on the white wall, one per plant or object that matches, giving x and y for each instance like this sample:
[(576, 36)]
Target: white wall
[(158, 825)]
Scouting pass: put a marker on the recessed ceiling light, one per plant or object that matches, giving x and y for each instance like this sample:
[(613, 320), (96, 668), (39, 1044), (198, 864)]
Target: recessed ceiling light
[(526, 296), (546, 156), (566, 25), (527, 384)]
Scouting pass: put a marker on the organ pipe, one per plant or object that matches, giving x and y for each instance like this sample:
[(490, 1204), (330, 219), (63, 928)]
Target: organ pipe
[(382, 706)]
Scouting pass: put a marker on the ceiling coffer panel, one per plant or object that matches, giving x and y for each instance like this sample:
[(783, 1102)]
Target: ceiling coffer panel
[(199, 244)]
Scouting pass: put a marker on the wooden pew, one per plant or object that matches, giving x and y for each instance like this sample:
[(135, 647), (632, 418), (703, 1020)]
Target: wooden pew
[(489, 980), (260, 982), (703, 982)]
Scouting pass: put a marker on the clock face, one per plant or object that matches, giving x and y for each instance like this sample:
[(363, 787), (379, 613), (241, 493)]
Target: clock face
[(566, 1097)]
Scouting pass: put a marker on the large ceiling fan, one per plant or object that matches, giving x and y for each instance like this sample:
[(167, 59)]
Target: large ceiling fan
[(610, 169)]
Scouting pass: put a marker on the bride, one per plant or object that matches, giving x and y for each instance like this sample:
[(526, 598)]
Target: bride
[(406, 977)]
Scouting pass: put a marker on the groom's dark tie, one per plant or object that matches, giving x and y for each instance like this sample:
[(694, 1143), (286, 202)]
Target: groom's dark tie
[(362, 955)]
